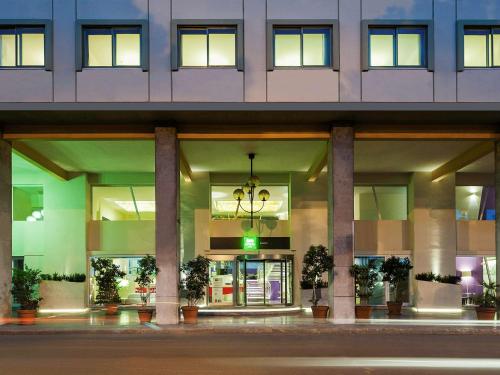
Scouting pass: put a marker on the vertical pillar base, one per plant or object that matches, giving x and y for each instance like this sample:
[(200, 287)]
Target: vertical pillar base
[(167, 310), (343, 310)]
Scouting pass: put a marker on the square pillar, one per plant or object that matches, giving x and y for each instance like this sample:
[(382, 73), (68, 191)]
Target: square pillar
[(497, 210), (341, 217), (167, 225), (5, 228)]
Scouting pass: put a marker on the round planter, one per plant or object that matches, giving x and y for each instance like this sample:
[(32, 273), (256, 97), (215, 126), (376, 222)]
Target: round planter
[(363, 311), (190, 314), (320, 312), (394, 307), (145, 315), (26, 317), (486, 313), (111, 309)]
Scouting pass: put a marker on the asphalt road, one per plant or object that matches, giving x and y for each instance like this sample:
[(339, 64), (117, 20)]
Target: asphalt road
[(248, 354)]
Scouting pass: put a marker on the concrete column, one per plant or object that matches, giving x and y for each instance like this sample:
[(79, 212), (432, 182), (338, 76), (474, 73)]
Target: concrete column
[(5, 228), (433, 223), (341, 216), (497, 208), (167, 225)]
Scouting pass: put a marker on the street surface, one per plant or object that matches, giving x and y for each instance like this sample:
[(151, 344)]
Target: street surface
[(248, 354)]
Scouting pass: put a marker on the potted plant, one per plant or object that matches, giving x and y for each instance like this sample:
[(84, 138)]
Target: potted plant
[(396, 271), (194, 285), (486, 302), (25, 291), (316, 262), (365, 277), (146, 272), (106, 275)]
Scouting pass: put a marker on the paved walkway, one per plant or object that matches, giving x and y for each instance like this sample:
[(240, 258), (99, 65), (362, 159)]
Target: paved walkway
[(126, 321)]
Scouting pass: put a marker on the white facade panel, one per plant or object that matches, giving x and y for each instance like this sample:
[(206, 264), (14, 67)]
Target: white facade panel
[(112, 9), (255, 43), (26, 9), (479, 85), (302, 9), (397, 9), (478, 9), (207, 85), (309, 85), (207, 9), (112, 85), (397, 85), (19, 85), (350, 47)]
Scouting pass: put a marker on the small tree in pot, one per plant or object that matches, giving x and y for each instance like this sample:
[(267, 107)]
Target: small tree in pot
[(146, 272), (25, 291), (316, 262), (365, 277), (396, 271), (194, 285), (486, 302), (107, 275)]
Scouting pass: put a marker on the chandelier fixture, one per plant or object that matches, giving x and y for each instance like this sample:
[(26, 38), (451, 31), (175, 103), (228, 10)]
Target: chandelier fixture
[(249, 189)]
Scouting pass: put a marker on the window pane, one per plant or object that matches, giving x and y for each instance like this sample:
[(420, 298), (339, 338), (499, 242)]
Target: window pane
[(32, 53), (27, 203), (193, 49), (128, 49), (316, 48), (7, 50), (381, 50), (287, 48), (222, 50), (496, 49), (100, 50), (475, 50), (123, 203), (380, 203), (409, 49)]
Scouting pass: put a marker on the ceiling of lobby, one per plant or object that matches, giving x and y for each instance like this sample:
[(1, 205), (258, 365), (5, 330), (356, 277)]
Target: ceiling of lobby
[(271, 156)]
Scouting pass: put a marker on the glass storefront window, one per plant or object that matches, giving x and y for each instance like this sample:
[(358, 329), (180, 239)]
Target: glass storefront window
[(223, 205), (380, 203), (475, 202), (122, 203), (378, 297), (220, 288), (474, 270), (27, 203)]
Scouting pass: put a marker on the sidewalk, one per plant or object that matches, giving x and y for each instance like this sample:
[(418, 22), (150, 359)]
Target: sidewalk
[(126, 322)]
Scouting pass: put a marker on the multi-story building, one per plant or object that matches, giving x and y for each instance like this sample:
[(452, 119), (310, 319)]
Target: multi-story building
[(126, 126)]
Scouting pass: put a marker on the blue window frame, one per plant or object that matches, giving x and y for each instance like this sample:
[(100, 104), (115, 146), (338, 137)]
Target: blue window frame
[(305, 46), (208, 46), (112, 46), (481, 47), (400, 46), (22, 47)]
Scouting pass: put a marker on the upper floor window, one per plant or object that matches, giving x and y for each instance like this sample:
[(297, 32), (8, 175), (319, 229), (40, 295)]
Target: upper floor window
[(401, 46), (22, 46), (27, 203), (475, 203), (112, 46), (207, 46), (306, 46), (481, 47), (123, 203), (380, 203)]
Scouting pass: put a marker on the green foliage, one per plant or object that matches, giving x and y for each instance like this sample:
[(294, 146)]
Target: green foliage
[(306, 284), (25, 287), (196, 279), (146, 272), (425, 276), (448, 279), (365, 277), (396, 270), (73, 277), (106, 275), (316, 262), (488, 298), (445, 279)]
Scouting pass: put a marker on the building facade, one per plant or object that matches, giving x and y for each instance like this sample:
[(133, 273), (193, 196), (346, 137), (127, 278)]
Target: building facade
[(126, 126)]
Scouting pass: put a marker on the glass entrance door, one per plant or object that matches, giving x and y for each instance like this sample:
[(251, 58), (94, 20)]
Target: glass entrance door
[(265, 281)]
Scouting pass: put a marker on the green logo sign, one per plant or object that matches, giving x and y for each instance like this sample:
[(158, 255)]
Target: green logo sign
[(250, 243)]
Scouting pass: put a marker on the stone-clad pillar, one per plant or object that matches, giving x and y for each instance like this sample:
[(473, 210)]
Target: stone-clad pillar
[(497, 208), (341, 216), (167, 225), (5, 228)]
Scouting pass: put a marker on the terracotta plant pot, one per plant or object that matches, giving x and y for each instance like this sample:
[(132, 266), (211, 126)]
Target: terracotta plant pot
[(145, 315), (26, 317), (486, 313), (394, 307), (190, 314), (111, 309), (320, 312), (363, 311)]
